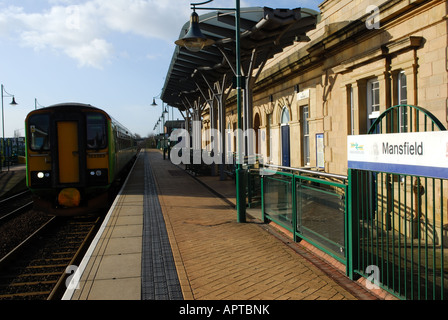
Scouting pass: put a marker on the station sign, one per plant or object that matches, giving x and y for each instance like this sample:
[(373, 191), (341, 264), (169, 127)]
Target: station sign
[(416, 153)]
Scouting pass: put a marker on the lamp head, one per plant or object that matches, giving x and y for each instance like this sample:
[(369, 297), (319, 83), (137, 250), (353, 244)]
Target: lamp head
[(13, 102), (194, 40)]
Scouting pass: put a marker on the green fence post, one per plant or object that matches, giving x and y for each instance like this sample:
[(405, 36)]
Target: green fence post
[(263, 216), (351, 222), (294, 209)]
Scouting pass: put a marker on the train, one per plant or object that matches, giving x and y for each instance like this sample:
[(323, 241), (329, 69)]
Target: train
[(76, 154)]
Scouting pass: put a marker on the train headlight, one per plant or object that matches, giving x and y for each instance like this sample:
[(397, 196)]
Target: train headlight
[(40, 178), (97, 176), (42, 175)]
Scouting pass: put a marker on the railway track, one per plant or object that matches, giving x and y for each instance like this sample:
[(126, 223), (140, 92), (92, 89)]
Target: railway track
[(14, 205), (36, 269)]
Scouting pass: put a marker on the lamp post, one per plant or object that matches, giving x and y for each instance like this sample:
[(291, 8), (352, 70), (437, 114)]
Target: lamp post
[(164, 110), (36, 104), (162, 120), (194, 41), (13, 103)]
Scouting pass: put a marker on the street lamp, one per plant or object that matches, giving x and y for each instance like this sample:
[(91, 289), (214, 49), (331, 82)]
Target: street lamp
[(13, 103), (164, 109), (194, 40), (36, 104), (154, 104)]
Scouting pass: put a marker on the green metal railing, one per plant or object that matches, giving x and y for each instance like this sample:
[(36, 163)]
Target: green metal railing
[(399, 227), (396, 223), (309, 204), (390, 228), (405, 118)]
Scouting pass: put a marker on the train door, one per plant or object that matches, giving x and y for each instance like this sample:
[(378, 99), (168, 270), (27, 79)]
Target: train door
[(69, 161), (68, 151)]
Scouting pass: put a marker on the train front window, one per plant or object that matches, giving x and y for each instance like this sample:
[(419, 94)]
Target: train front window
[(39, 128), (96, 131)]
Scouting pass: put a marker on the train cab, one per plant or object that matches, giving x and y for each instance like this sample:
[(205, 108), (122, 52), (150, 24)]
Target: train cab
[(71, 158)]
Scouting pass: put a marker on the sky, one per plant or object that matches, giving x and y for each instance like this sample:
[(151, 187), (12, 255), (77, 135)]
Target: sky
[(112, 54)]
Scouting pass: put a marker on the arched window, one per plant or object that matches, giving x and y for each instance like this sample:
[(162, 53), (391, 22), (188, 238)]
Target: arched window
[(285, 116)]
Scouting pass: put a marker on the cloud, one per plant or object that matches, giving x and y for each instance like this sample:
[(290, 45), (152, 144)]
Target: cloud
[(86, 31), (151, 19), (94, 53), (72, 30)]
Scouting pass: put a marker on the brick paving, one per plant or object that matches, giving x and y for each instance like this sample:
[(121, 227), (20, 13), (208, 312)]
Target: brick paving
[(220, 259)]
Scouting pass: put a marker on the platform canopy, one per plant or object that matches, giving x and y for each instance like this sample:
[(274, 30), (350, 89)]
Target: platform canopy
[(264, 31)]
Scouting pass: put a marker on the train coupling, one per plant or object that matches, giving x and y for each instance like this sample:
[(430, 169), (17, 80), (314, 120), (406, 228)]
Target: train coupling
[(69, 197)]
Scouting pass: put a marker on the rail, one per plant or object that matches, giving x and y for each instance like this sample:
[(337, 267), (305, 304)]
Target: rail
[(42, 273), (308, 171), (14, 205)]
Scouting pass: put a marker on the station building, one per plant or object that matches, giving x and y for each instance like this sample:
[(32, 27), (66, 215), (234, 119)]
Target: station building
[(357, 64), (359, 59), (311, 79)]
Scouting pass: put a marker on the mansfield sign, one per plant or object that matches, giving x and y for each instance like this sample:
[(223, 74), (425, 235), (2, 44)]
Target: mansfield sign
[(416, 153)]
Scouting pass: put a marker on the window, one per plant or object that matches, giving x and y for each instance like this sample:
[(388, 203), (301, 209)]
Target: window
[(351, 110), (269, 149), (285, 116), (373, 101), (305, 136), (96, 131), (402, 99), (39, 129), (373, 98), (402, 88), (285, 138)]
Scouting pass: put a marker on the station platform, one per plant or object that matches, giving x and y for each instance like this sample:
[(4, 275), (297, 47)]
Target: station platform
[(170, 236), (12, 180)]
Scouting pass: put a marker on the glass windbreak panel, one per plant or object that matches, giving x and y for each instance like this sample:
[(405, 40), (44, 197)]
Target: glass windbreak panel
[(278, 199), (96, 131), (320, 215), (39, 128)]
